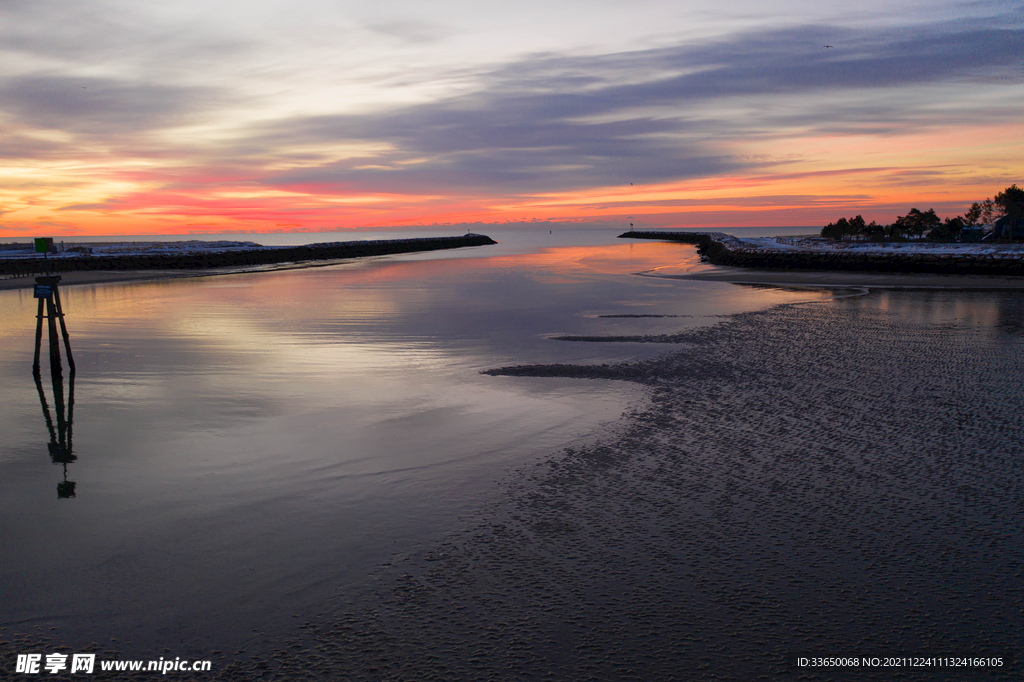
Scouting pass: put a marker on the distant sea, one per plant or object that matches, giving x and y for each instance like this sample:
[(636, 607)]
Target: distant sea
[(300, 238)]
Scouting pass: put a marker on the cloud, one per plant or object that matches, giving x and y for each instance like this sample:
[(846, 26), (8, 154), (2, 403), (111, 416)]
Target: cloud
[(477, 140), (18, 147), (87, 207), (103, 107), (73, 36), (411, 31), (555, 122)]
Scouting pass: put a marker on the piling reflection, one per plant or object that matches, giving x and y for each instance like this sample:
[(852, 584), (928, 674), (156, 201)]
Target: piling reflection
[(60, 447)]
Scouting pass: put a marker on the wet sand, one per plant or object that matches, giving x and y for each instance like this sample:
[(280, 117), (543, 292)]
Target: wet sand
[(828, 478), (834, 278), (832, 478), (101, 277), (82, 277)]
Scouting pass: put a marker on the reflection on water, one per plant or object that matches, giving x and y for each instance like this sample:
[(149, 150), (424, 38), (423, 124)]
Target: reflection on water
[(257, 444), (993, 310), (60, 446), (47, 293)]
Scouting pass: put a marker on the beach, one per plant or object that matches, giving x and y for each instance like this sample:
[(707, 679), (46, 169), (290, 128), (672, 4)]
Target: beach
[(833, 479), (100, 277), (862, 280), (760, 472)]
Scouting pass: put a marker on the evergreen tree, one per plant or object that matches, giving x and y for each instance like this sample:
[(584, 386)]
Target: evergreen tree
[(988, 212), (1011, 202), (973, 215)]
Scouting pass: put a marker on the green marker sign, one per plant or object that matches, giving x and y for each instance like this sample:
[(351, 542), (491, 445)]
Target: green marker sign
[(44, 244)]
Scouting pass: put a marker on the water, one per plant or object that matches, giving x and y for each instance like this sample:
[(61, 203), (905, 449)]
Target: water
[(249, 447), (520, 236)]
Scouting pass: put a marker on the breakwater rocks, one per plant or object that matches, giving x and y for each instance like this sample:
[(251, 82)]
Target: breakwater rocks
[(723, 249), (250, 256)]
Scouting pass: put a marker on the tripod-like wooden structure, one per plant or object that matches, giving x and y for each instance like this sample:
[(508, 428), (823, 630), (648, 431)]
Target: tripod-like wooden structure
[(49, 298), (60, 436)]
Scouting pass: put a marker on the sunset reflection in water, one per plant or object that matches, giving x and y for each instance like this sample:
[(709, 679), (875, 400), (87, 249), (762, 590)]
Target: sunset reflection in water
[(280, 433)]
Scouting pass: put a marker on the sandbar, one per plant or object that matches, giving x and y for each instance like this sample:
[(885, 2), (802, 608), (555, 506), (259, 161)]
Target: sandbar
[(848, 279), (838, 478), (103, 277)]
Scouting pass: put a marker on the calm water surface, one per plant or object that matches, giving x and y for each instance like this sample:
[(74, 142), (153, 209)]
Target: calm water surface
[(249, 447)]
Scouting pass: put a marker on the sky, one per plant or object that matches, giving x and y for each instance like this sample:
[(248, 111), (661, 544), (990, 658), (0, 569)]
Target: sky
[(189, 117)]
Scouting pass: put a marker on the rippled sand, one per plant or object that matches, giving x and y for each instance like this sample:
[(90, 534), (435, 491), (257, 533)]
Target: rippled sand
[(831, 478), (820, 478)]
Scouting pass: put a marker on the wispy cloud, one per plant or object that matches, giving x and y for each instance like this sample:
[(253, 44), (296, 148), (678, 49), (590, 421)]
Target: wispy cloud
[(104, 107), (144, 109), (563, 122)]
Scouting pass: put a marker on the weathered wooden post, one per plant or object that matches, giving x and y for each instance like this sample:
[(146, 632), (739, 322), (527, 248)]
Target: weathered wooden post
[(51, 324), (39, 331), (63, 327), (49, 298)]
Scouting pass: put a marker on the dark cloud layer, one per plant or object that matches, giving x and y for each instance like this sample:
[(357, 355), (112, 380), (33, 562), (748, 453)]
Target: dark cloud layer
[(558, 122), (53, 51), (96, 33), (103, 107)]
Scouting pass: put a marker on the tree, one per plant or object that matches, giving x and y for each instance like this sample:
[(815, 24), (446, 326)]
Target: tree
[(929, 221), (874, 231), (836, 230), (843, 228), (950, 229), (988, 212), (856, 226), (918, 222), (1011, 202), (973, 215)]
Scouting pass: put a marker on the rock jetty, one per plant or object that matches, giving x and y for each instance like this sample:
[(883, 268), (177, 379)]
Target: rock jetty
[(724, 249), (251, 255)]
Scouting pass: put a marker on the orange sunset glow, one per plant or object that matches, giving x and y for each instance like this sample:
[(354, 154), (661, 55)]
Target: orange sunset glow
[(747, 122)]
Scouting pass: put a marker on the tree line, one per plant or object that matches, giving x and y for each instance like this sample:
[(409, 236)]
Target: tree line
[(1007, 204)]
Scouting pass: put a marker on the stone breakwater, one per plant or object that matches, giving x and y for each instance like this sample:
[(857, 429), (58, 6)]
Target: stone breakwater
[(723, 249), (251, 256)]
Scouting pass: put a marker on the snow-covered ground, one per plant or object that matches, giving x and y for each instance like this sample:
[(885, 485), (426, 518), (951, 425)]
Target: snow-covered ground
[(908, 247), (77, 249), (192, 247)]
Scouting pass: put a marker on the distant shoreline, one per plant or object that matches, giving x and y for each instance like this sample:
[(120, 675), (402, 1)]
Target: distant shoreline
[(149, 266)]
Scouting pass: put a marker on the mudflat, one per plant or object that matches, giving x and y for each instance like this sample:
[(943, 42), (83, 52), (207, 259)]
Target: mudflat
[(81, 277), (835, 278), (835, 479), (101, 277)]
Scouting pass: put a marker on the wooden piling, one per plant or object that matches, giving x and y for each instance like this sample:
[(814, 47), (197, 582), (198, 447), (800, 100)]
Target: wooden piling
[(39, 336), (63, 328), (51, 323), (49, 298)]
